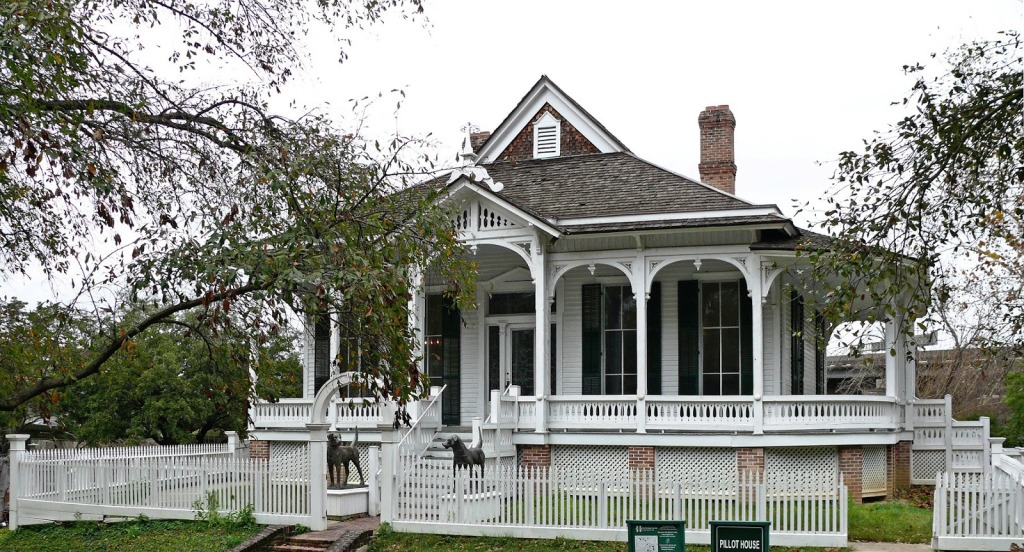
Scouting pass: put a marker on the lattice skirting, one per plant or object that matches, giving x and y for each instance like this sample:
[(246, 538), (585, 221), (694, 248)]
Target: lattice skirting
[(924, 464), (873, 471), (807, 461), (675, 460), (613, 461)]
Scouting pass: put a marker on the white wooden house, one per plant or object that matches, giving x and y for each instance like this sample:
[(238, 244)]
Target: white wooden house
[(646, 319)]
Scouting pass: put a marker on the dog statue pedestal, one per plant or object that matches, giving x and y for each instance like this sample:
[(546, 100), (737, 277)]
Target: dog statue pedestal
[(470, 508)]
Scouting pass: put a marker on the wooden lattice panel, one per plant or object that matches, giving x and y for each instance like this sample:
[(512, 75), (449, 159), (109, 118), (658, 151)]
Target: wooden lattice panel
[(873, 471), (670, 461), (613, 461), (287, 457), (924, 464), (809, 461)]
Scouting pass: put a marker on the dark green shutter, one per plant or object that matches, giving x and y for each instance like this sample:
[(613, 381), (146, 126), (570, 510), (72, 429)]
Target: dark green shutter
[(796, 344), (654, 340), (451, 331), (746, 343), (689, 337), (821, 340), (554, 363), (592, 339), (321, 351)]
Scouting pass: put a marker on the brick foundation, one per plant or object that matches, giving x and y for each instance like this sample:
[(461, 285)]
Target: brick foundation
[(750, 460), (536, 455), (641, 458), (897, 463), (851, 465), (259, 449)]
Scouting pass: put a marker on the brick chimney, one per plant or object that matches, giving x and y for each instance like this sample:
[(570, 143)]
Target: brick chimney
[(477, 139), (717, 150)]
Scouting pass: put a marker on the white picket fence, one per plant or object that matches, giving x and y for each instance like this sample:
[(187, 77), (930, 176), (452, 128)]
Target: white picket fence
[(978, 511), (550, 502), (158, 482)]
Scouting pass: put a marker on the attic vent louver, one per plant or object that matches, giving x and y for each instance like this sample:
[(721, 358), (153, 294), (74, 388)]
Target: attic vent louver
[(546, 137)]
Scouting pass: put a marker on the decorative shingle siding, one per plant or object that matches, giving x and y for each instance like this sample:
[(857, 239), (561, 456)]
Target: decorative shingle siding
[(572, 141)]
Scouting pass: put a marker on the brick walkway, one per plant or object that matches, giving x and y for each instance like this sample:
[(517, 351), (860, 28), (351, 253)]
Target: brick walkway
[(337, 529)]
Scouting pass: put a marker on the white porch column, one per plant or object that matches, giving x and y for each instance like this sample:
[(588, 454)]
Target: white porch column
[(757, 299), (894, 342), (639, 280), (317, 475), (542, 335)]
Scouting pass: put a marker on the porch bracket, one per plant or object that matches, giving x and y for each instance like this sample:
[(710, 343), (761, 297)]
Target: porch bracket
[(769, 272)]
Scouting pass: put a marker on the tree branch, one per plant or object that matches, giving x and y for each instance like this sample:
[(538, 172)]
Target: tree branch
[(17, 398)]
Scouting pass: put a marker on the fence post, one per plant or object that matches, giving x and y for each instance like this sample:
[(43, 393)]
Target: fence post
[(986, 452), (388, 462), (317, 475), (372, 496), (17, 441), (232, 443), (948, 433)]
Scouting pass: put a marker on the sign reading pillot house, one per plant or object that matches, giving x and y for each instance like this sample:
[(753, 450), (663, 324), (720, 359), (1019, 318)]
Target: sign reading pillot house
[(656, 536), (739, 536)]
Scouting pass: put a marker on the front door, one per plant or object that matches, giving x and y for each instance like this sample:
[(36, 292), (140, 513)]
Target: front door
[(510, 357)]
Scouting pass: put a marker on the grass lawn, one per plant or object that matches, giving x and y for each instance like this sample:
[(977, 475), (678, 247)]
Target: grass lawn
[(890, 521), (141, 536)]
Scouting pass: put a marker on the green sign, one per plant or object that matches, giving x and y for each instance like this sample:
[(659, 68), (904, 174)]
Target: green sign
[(657, 536), (739, 536)]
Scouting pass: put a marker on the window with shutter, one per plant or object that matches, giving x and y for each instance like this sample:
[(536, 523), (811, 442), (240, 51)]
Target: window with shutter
[(321, 351), (546, 137), (592, 339), (796, 344)]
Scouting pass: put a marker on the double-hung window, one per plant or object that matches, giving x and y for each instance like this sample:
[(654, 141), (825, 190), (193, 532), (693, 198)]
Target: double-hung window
[(720, 332), (619, 341)]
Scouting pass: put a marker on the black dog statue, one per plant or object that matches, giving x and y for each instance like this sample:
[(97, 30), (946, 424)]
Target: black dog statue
[(465, 457), (339, 456)]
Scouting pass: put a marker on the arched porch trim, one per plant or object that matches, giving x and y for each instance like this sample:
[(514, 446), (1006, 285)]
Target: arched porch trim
[(655, 266), (562, 269)]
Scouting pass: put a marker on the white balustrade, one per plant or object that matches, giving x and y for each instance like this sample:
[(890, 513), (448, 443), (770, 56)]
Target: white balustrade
[(929, 411), (527, 412), (598, 412), (712, 413), (286, 413), (830, 412)]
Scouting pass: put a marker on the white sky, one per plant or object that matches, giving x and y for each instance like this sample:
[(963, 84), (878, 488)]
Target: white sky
[(805, 80)]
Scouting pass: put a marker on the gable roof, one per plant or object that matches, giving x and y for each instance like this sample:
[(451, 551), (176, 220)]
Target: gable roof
[(545, 91), (615, 188)]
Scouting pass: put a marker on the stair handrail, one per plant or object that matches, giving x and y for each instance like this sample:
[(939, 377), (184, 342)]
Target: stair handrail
[(416, 426)]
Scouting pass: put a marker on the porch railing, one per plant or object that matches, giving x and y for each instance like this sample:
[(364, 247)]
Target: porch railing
[(626, 413), (295, 413), (830, 412), (418, 437)]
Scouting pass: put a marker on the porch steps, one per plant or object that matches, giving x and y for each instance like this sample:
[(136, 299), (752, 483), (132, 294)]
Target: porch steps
[(436, 450), (301, 544)]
